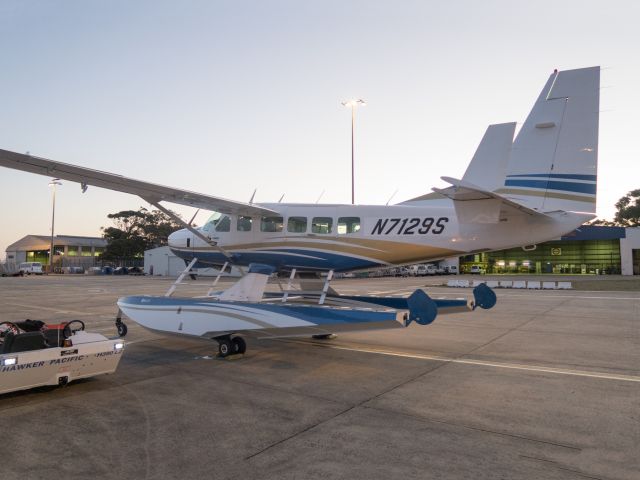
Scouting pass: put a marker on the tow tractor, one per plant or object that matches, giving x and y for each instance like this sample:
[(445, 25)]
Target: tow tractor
[(34, 354)]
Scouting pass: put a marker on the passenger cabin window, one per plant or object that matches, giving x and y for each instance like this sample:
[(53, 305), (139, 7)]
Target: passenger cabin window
[(224, 224), (244, 224), (348, 225), (321, 225), (297, 224), (271, 224)]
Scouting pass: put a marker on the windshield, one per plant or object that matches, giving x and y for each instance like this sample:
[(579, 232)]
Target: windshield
[(218, 222)]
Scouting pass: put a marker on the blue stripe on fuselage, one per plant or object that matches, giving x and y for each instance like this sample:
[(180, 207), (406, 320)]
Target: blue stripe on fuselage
[(282, 259)]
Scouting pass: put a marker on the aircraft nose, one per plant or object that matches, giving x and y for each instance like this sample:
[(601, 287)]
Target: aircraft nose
[(177, 238)]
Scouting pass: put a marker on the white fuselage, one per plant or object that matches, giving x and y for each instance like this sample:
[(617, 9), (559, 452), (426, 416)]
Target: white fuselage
[(312, 237)]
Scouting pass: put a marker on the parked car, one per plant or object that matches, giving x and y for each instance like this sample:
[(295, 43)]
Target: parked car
[(441, 271), (476, 269), (107, 270), (72, 270), (135, 271), (30, 267), (451, 269), (431, 269), (401, 272), (121, 271)]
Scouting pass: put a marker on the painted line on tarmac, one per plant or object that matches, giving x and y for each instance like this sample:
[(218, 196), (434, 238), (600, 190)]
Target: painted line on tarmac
[(573, 296), (49, 309), (483, 363), (502, 293)]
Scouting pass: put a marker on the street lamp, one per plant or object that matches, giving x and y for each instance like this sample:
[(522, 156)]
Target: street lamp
[(353, 104), (53, 183)]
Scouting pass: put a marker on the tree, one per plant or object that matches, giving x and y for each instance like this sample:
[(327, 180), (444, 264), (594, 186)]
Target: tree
[(628, 214), (136, 231)]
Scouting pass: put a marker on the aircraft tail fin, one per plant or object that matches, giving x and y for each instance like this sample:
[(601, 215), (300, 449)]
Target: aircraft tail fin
[(554, 159), (488, 167)]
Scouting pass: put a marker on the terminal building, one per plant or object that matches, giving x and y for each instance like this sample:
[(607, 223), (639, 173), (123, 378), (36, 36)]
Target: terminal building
[(69, 251)]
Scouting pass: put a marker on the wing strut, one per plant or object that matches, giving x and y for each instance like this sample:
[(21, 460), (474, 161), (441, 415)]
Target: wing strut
[(189, 227), (286, 294), (215, 282), (325, 288), (178, 281)]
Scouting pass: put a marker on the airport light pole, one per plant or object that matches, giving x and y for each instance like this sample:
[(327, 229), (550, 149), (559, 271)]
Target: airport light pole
[(353, 104), (53, 183)]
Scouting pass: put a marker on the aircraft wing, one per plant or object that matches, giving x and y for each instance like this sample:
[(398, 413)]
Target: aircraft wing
[(148, 191)]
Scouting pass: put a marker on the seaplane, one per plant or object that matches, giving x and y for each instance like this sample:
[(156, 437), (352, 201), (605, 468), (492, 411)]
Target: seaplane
[(514, 193)]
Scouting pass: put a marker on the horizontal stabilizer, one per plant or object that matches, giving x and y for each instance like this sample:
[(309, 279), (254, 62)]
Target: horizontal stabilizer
[(474, 204)]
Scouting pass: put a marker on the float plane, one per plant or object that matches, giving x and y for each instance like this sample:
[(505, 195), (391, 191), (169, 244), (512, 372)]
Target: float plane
[(514, 193)]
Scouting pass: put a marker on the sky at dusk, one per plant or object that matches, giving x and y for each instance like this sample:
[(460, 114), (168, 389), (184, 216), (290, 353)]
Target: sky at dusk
[(224, 97)]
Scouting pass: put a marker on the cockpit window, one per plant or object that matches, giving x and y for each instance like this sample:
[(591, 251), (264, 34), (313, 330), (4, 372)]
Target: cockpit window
[(244, 224), (218, 222), (271, 224), (224, 224)]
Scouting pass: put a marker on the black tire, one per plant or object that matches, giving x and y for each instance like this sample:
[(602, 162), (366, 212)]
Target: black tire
[(122, 329), (324, 336), (224, 347), (239, 345)]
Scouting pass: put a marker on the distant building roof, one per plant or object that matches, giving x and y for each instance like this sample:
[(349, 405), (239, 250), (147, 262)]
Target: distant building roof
[(43, 242), (596, 232)]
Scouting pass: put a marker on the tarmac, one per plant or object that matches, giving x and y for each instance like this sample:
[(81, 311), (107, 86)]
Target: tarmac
[(546, 385)]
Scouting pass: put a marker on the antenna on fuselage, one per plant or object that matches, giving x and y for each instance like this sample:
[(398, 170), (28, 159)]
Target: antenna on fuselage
[(254, 194), (394, 194), (320, 196), (280, 201)]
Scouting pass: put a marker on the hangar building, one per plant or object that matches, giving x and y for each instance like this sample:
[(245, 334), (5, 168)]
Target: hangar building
[(69, 251), (587, 250)]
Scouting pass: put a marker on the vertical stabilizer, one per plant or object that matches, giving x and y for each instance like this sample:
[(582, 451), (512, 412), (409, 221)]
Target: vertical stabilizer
[(488, 166), (554, 159)]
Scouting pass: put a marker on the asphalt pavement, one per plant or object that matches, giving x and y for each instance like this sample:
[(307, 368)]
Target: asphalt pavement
[(546, 385)]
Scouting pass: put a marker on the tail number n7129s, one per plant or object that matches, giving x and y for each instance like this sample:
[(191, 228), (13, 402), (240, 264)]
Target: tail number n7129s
[(409, 226)]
